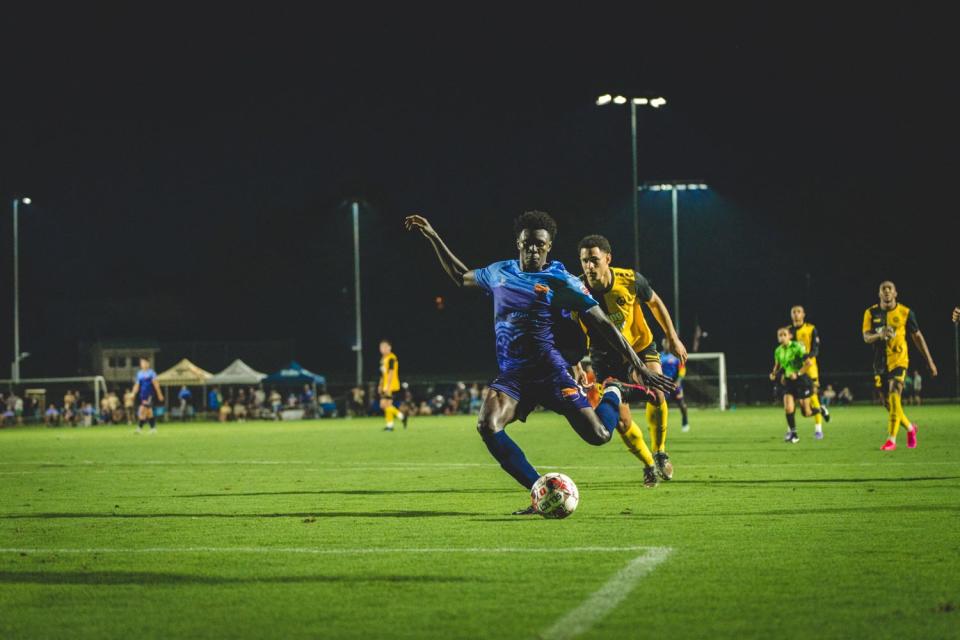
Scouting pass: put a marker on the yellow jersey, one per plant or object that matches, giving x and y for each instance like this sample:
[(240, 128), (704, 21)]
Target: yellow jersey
[(806, 334), (389, 373), (890, 354), (621, 302)]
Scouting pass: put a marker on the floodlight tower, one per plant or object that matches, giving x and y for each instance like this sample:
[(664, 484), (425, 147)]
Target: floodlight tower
[(654, 102), (358, 346), (18, 356), (674, 187)]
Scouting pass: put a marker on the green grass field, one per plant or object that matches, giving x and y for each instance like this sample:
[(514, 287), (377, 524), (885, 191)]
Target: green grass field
[(335, 529)]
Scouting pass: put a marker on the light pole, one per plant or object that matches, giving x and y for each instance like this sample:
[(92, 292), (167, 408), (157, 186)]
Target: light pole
[(674, 187), (656, 103), (17, 355), (358, 346)]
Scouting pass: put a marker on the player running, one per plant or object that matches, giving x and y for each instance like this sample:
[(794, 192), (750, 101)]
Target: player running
[(790, 371), (806, 334), (389, 385), (146, 388), (527, 295), (675, 369), (620, 293), (885, 326)]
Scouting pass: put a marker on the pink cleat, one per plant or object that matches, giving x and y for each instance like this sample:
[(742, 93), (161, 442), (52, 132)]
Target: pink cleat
[(888, 446), (912, 437)]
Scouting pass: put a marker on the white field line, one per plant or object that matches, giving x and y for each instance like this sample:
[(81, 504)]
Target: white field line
[(335, 552), (606, 598)]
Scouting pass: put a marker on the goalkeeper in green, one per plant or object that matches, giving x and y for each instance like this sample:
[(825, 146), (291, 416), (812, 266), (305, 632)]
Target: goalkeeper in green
[(790, 371)]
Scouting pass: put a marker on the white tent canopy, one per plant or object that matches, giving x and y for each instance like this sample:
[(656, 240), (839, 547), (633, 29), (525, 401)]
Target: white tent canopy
[(239, 372)]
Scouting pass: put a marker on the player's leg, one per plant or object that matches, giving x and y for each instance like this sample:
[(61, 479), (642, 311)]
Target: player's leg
[(896, 413), (497, 411), (632, 436), (682, 404), (389, 412), (151, 419), (820, 412), (657, 413), (790, 410), (141, 417)]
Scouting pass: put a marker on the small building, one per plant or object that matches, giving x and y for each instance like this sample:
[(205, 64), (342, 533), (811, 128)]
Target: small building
[(119, 360)]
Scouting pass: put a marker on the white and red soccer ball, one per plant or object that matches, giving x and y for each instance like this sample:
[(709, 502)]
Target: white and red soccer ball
[(554, 495)]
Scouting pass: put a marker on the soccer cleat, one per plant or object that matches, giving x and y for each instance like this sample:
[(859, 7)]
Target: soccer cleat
[(912, 437), (889, 445), (529, 511), (650, 477), (664, 466), (137, 431), (684, 428), (818, 435), (825, 413), (388, 428), (152, 431), (791, 437)]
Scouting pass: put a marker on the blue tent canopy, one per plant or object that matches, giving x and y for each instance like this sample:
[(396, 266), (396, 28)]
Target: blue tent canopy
[(295, 374)]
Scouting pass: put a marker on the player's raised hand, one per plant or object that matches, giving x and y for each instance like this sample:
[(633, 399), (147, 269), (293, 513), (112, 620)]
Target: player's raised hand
[(653, 380), (419, 223)]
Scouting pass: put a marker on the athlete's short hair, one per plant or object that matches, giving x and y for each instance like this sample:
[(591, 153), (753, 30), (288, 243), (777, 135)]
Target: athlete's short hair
[(533, 220), (386, 341), (595, 240)]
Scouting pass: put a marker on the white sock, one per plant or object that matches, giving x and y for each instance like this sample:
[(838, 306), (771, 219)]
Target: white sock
[(818, 428), (615, 390), (400, 415), (892, 439)]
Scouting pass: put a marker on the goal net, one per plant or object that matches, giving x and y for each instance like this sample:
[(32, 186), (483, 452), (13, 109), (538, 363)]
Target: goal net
[(40, 394), (706, 380)]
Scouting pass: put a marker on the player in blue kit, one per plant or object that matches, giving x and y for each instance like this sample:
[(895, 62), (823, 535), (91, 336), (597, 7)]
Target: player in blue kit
[(529, 294), (145, 389), (676, 370)]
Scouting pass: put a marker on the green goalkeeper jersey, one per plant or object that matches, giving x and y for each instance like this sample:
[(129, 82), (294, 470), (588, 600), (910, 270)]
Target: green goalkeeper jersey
[(790, 357)]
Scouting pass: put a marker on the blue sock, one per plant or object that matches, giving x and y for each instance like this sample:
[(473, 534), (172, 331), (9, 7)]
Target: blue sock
[(511, 458), (609, 411)]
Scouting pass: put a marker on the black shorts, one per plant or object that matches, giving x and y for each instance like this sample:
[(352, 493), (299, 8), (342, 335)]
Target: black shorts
[(882, 378), (800, 388), (605, 367)]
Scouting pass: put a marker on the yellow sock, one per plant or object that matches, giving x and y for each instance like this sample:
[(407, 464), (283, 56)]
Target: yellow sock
[(657, 421), (389, 413), (904, 421), (893, 405), (633, 438), (653, 424), (815, 404)]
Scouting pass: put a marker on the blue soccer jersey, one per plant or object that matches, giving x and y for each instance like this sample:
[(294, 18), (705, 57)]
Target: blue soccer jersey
[(525, 306), (671, 365), (145, 379)]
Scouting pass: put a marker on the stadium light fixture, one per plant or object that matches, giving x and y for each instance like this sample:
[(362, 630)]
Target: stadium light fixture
[(26, 200), (674, 187), (656, 103)]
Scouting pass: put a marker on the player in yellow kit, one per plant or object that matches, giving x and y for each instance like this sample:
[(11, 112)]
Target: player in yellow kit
[(885, 326), (806, 334), (621, 294), (389, 385)]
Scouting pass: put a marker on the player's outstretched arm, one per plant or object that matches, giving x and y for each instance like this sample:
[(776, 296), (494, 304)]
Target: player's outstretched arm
[(156, 387), (458, 272), (660, 312), (921, 343), (599, 324)]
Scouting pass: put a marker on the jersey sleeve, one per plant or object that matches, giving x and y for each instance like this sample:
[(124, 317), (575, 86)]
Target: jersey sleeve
[(814, 343), (912, 325), (571, 294), (867, 322), (483, 277), (644, 290)]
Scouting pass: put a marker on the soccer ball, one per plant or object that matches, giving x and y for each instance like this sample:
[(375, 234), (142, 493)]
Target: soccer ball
[(554, 495)]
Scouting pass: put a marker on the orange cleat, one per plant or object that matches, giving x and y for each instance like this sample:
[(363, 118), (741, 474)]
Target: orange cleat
[(888, 446)]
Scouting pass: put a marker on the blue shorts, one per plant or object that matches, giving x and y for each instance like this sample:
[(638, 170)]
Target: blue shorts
[(556, 391), (677, 393)]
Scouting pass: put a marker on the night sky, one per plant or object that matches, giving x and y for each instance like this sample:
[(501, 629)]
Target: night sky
[(189, 172)]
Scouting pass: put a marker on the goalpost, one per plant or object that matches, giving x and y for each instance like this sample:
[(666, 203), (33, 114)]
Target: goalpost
[(706, 380), (97, 383)]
